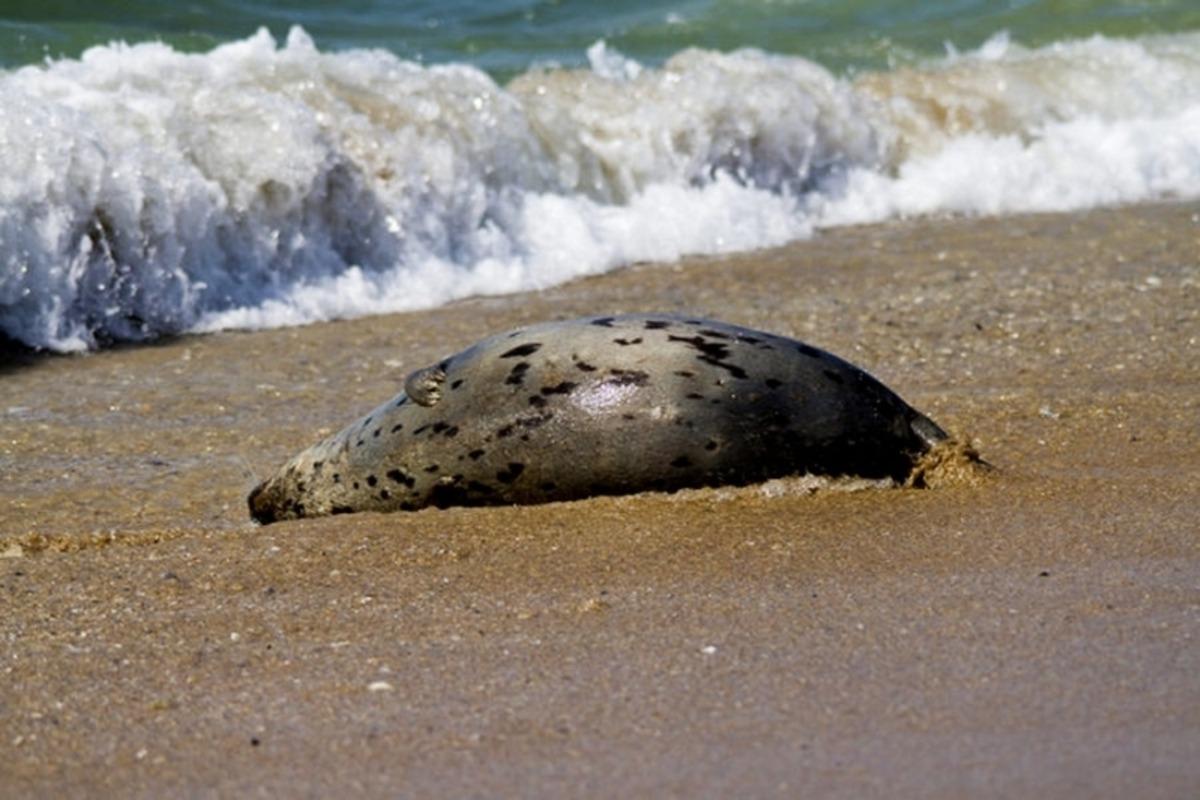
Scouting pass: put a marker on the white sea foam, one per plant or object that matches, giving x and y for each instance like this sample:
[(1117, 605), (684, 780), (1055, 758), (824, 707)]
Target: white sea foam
[(1005, 130), (146, 191), (1061, 166)]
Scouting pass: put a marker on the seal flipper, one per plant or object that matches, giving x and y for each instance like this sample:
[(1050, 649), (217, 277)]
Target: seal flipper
[(424, 386), (927, 430)]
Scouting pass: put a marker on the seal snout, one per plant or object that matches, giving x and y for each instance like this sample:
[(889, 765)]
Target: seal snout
[(261, 508)]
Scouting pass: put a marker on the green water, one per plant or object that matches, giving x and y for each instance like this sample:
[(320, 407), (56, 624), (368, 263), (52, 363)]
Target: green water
[(506, 36)]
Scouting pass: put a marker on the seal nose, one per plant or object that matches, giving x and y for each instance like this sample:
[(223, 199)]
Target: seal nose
[(260, 506)]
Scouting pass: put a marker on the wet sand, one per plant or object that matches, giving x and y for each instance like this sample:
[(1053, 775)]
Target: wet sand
[(1033, 634)]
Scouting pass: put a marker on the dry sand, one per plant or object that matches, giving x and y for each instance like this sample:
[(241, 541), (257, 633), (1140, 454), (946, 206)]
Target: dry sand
[(1033, 635)]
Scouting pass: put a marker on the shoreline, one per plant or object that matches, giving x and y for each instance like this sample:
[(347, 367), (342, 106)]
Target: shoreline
[(1031, 633)]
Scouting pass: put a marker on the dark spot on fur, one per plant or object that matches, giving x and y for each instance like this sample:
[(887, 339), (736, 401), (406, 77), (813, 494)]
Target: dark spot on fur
[(396, 428), (355, 485), (683, 373), (535, 420), (479, 488), (403, 399), (694, 322), (317, 465), (504, 432), (523, 350), (713, 353), (337, 477), (656, 324), (773, 383), (376, 433), (627, 342), (408, 506), (806, 350), (456, 383), (515, 468), (440, 426), (716, 350), (714, 334), (628, 416), (432, 468), (341, 510), (563, 388), (400, 477), (833, 376), (732, 369), (711, 445), (603, 322), (748, 339), (681, 462), (372, 480), (585, 367), (359, 443), (547, 486), (452, 431), (694, 396), (384, 494), (420, 430), (475, 455), (517, 376), (627, 377), (537, 401)]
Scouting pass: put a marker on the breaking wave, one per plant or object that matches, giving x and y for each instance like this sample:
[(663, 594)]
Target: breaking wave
[(147, 191)]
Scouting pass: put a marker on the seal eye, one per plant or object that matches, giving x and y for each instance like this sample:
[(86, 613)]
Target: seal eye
[(425, 385)]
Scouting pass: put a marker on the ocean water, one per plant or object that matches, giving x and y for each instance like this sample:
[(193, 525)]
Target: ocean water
[(246, 164)]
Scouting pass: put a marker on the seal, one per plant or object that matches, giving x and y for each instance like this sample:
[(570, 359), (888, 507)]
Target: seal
[(604, 405)]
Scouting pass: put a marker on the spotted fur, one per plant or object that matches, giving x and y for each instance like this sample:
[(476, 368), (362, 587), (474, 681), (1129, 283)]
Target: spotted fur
[(604, 405)]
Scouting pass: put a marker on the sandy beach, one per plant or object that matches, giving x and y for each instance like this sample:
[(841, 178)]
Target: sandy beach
[(1034, 634)]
